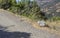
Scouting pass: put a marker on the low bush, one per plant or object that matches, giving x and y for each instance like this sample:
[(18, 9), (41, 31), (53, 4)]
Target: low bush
[(55, 18)]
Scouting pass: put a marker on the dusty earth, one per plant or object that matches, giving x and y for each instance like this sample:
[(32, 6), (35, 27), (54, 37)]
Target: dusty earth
[(12, 26)]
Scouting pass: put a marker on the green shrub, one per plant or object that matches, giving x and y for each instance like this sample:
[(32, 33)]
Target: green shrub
[(55, 18), (26, 8)]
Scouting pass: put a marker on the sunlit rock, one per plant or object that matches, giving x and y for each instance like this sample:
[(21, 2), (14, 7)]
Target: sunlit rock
[(42, 23)]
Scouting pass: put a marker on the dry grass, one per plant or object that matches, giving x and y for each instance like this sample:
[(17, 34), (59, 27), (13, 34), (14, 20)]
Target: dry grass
[(54, 25)]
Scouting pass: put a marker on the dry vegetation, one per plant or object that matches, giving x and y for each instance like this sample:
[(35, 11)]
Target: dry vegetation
[(54, 25)]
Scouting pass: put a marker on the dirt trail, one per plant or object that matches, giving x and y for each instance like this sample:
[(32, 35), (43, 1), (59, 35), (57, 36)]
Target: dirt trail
[(11, 26)]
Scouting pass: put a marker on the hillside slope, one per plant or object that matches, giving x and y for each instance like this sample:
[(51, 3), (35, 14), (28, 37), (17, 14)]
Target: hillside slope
[(51, 7)]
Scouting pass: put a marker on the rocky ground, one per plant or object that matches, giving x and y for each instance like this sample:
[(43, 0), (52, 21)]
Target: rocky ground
[(12, 26)]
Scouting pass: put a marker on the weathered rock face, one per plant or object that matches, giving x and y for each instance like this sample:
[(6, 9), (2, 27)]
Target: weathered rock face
[(50, 7)]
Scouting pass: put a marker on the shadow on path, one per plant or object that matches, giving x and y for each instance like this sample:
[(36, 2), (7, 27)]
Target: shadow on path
[(6, 34)]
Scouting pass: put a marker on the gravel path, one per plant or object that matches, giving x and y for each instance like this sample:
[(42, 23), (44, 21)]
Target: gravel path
[(12, 26)]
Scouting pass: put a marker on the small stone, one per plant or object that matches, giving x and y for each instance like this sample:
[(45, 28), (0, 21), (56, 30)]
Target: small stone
[(42, 23)]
